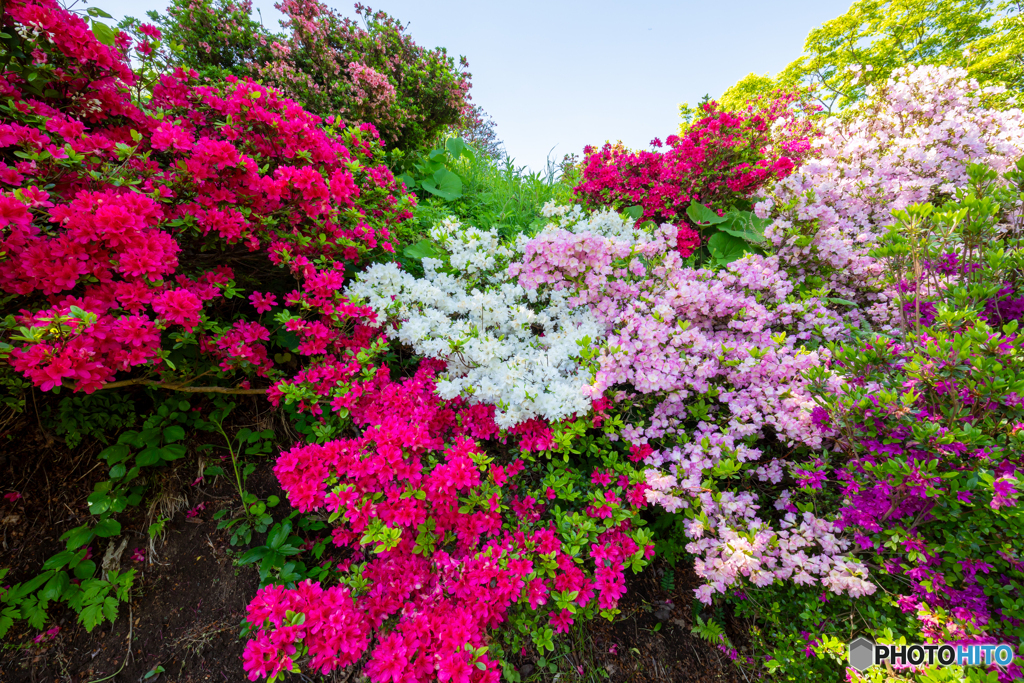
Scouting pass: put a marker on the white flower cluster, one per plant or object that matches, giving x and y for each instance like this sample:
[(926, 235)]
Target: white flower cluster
[(505, 346), (602, 223)]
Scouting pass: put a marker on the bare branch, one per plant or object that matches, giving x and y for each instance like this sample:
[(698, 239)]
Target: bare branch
[(180, 387)]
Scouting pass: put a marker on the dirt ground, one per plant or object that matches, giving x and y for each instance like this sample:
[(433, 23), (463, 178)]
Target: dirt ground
[(189, 598)]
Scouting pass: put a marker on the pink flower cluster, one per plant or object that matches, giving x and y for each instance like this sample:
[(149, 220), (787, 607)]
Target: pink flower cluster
[(444, 543), (722, 158), (911, 143), (96, 257), (731, 341)]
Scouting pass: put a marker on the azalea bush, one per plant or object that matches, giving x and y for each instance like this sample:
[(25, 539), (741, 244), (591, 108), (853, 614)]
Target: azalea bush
[(363, 70), (450, 533), (124, 264), (921, 422), (931, 424), (495, 390), (919, 131), (722, 159)]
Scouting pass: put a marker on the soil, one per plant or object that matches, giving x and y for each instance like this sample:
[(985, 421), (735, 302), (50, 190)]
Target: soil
[(189, 597)]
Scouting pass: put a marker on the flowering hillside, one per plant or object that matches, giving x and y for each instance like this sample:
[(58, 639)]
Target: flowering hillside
[(446, 419)]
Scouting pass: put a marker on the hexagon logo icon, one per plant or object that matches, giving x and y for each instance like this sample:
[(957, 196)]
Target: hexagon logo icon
[(862, 654)]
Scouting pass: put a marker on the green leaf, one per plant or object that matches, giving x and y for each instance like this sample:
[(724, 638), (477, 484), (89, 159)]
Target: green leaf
[(107, 528), (213, 471), (726, 248), (85, 570), (173, 451), (254, 554), (33, 614), (702, 215), (173, 433), (91, 617), (78, 537), (116, 453), (422, 249), (105, 35), (844, 302), (279, 534), (55, 587), (150, 456), (444, 184), (744, 235), (455, 146), (635, 212), (61, 559)]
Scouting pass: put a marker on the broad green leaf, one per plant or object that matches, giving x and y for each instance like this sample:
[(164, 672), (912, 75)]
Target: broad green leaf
[(726, 248), (104, 33), (422, 249), (254, 554), (107, 528), (78, 537), (173, 433), (635, 212), (743, 235), (456, 147), (444, 184), (116, 453), (61, 559), (702, 215), (85, 570), (150, 456), (279, 534), (173, 451)]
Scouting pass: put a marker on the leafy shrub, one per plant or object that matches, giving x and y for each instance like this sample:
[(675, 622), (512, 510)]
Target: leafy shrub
[(361, 74), (95, 416)]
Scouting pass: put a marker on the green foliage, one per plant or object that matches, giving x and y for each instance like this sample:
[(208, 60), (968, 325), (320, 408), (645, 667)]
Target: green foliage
[(729, 236), (245, 442), (492, 193), (709, 631), (275, 558), (94, 416), (846, 55)]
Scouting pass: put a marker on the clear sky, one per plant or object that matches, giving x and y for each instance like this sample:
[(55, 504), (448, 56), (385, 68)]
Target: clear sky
[(560, 74)]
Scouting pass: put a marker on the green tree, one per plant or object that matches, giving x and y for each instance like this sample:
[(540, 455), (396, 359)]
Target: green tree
[(862, 47)]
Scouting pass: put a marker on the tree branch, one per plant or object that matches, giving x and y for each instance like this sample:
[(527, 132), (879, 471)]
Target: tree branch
[(180, 387)]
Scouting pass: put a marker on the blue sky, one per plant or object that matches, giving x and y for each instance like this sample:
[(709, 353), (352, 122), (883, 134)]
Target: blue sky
[(561, 75)]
